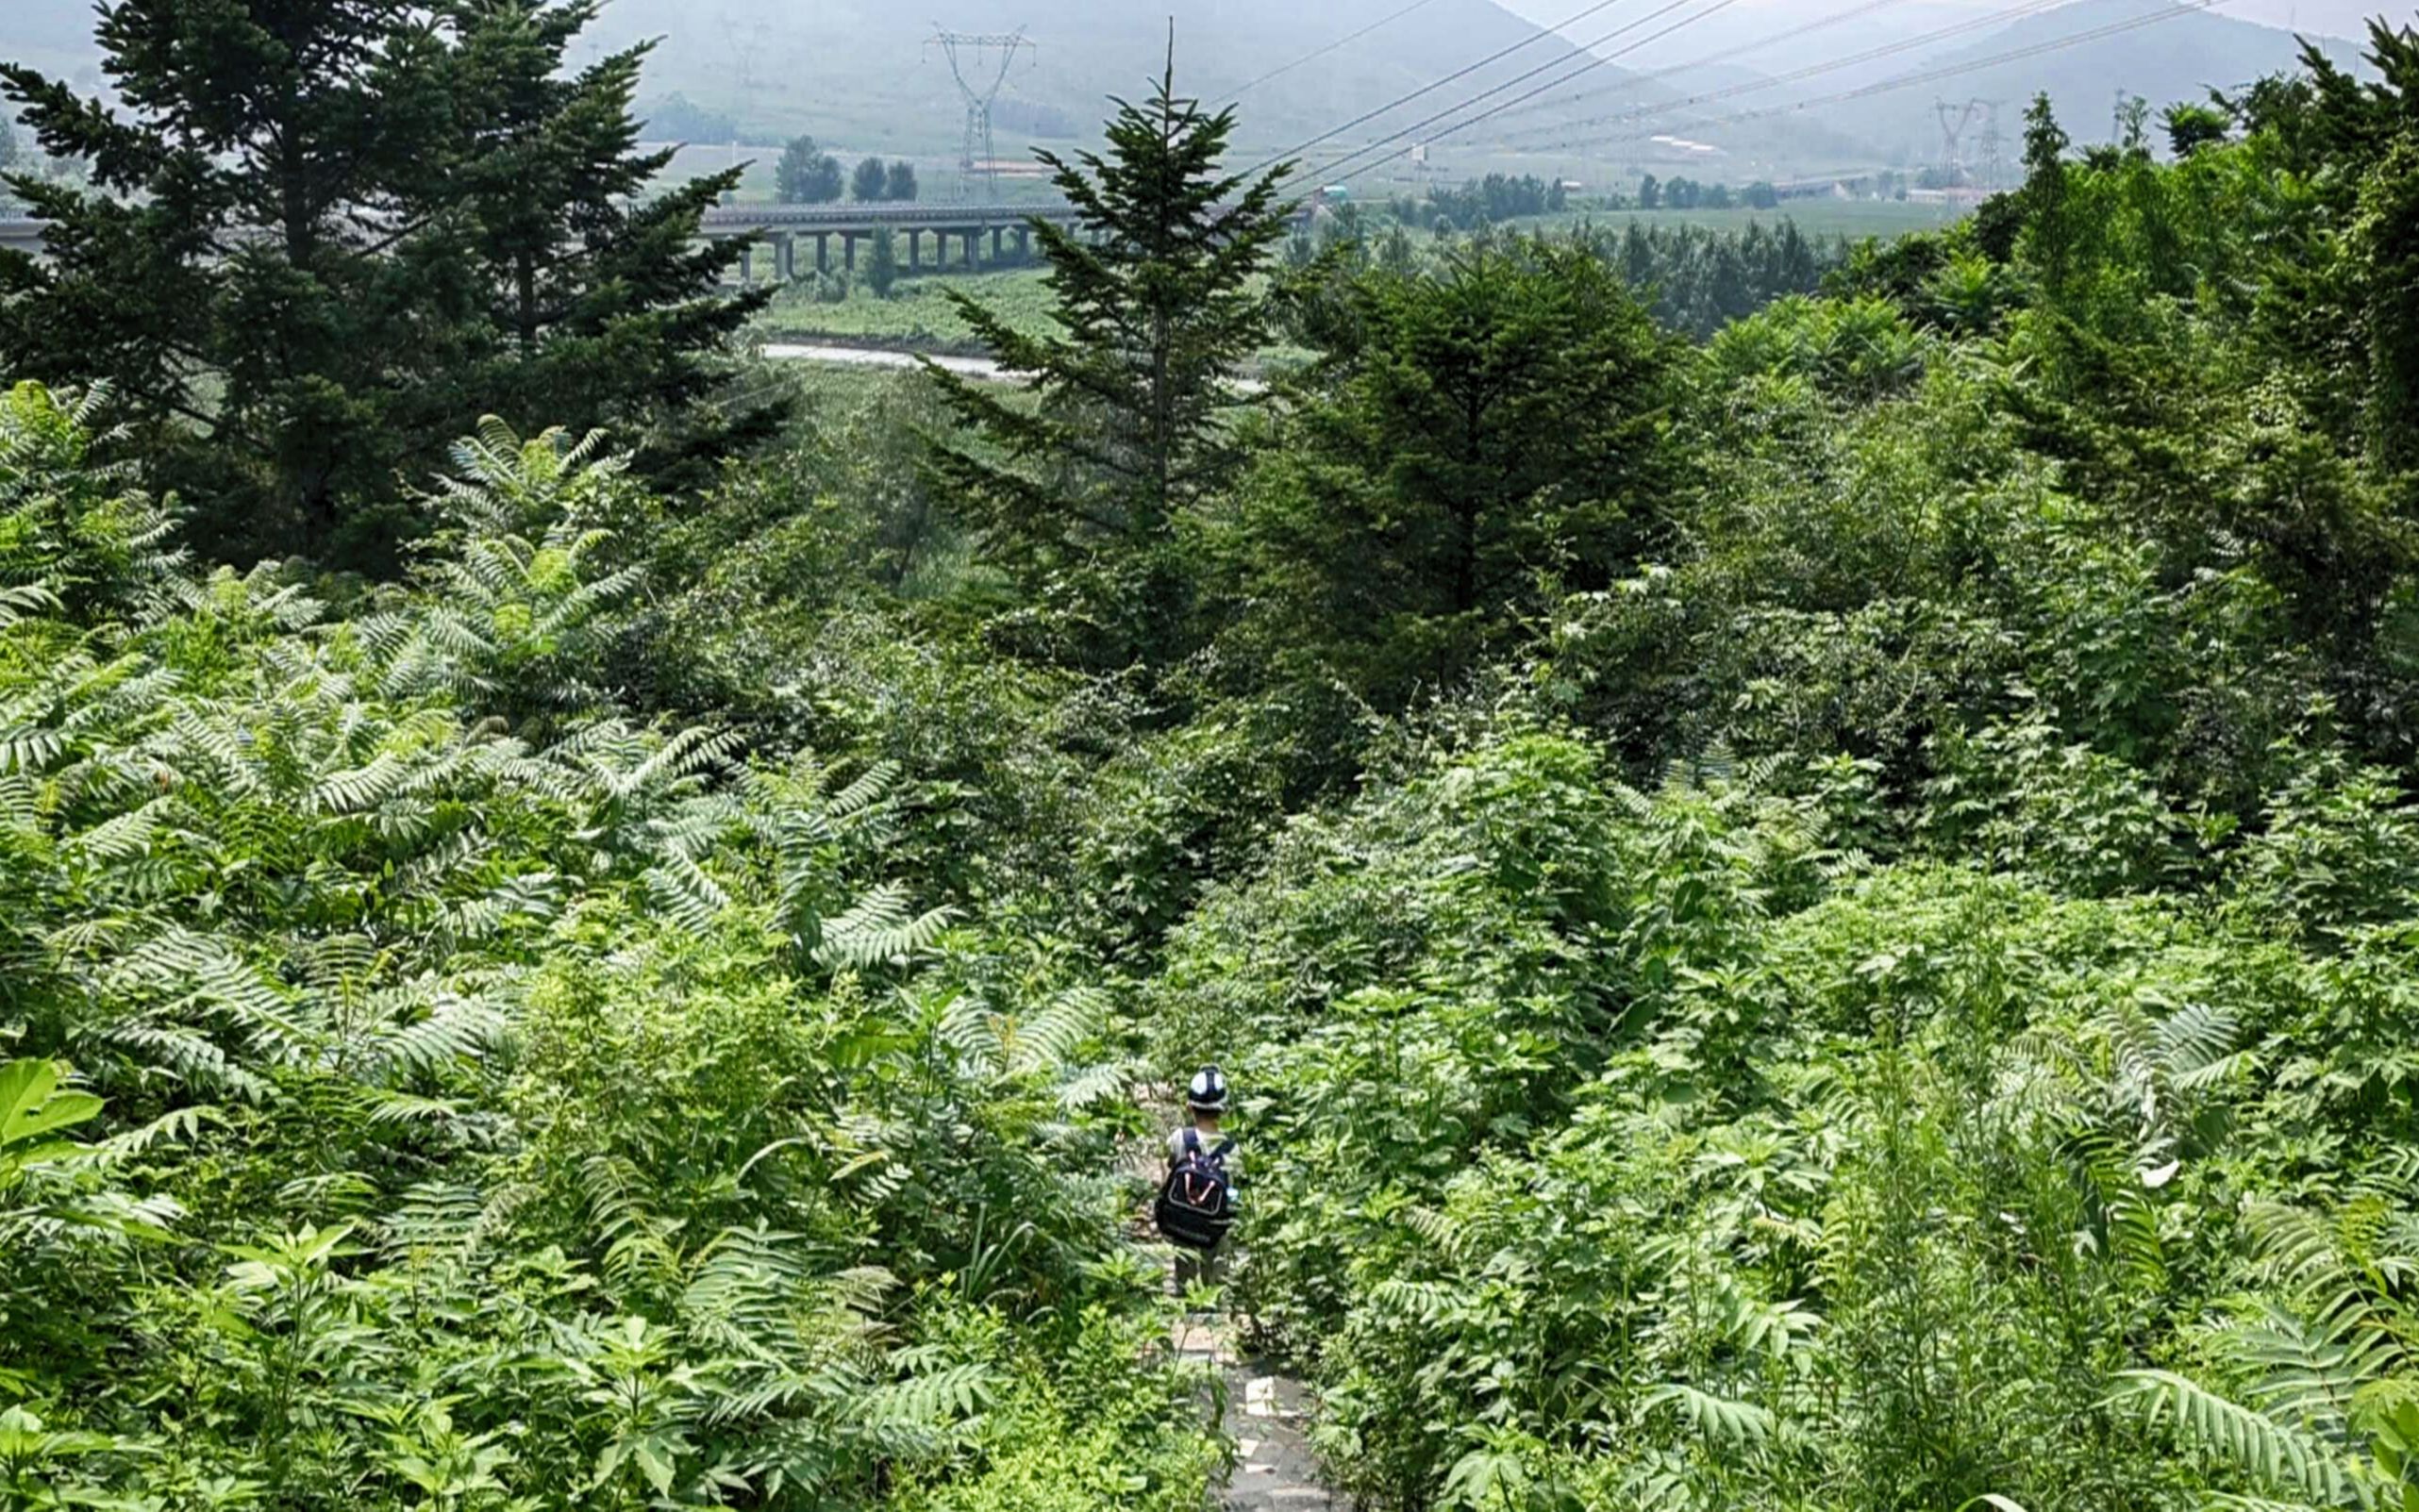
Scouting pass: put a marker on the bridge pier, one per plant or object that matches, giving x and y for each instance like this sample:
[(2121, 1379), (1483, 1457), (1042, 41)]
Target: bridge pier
[(747, 266), (973, 238), (915, 250), (822, 252), (785, 260), (848, 249), (1024, 240), (995, 235)]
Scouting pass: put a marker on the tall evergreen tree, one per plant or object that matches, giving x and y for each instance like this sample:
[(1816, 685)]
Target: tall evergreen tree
[(902, 182), (323, 237), (600, 306), (2049, 234), (1471, 441), (231, 265), (1080, 494)]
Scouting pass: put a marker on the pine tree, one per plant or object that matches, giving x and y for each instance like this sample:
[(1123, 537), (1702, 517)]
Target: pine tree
[(323, 237), (1155, 308), (2047, 234), (902, 186), (871, 183), (602, 307), (229, 267)]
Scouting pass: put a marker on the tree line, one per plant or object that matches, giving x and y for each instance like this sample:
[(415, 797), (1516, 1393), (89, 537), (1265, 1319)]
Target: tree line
[(806, 174)]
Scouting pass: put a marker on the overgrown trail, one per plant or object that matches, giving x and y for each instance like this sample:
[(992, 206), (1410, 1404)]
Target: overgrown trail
[(1275, 1470)]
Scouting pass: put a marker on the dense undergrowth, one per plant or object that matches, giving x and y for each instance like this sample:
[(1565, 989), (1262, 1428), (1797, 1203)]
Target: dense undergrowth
[(483, 1097), (1827, 919)]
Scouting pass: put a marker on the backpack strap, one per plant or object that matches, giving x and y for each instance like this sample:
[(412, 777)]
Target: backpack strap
[(1191, 1141), (1225, 1148)]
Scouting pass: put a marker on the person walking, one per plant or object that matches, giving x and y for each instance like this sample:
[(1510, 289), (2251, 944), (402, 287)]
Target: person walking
[(1197, 1201)]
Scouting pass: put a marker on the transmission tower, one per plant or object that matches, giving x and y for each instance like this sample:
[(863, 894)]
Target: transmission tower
[(1954, 119), (969, 57), (1992, 145)]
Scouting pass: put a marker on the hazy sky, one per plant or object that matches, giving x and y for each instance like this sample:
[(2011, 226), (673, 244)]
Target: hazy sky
[(1739, 21)]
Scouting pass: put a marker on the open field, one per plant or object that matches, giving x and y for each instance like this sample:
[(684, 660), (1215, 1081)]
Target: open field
[(918, 314), (1814, 217)]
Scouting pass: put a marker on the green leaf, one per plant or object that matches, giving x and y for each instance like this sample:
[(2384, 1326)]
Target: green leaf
[(31, 1105)]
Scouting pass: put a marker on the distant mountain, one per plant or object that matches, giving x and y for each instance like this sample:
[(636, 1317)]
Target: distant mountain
[(864, 76), (2181, 56)]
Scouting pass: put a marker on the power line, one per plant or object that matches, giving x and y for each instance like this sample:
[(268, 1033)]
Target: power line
[(1365, 117), (1549, 84), (1993, 18), (1724, 55), (979, 154), (1593, 62), (1315, 55), (1904, 80)]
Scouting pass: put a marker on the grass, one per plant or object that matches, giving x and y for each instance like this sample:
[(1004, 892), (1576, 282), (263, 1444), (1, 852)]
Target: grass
[(1887, 219), (918, 314)]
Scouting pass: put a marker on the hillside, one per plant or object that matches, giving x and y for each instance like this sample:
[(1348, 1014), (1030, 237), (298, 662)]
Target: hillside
[(852, 69), (2180, 57)]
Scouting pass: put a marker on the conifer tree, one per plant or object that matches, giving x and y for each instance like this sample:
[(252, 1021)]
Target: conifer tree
[(601, 307), (230, 266), (322, 237), (2048, 234), (1080, 494)]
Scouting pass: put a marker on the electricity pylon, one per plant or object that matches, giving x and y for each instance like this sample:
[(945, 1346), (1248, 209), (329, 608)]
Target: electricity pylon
[(1991, 146), (971, 52), (1954, 119)]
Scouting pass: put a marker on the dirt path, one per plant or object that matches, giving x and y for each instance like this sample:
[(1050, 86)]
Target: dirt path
[(1275, 1470), (1265, 1412)]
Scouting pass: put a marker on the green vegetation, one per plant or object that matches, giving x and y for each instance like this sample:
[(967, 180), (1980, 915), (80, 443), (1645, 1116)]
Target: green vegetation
[(1082, 494), (806, 174), (917, 313), (311, 242), (1819, 918)]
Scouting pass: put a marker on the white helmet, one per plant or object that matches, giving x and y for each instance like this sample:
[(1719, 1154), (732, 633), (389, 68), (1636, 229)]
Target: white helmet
[(1208, 1091)]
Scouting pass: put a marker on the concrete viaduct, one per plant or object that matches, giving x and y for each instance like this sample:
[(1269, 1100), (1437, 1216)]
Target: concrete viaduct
[(783, 231)]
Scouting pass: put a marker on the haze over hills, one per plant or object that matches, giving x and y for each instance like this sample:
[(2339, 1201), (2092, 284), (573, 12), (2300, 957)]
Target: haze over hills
[(2176, 58), (851, 68), (862, 76), (1745, 18)]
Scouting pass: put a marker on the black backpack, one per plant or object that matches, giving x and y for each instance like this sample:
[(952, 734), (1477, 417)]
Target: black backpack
[(1196, 1202)]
